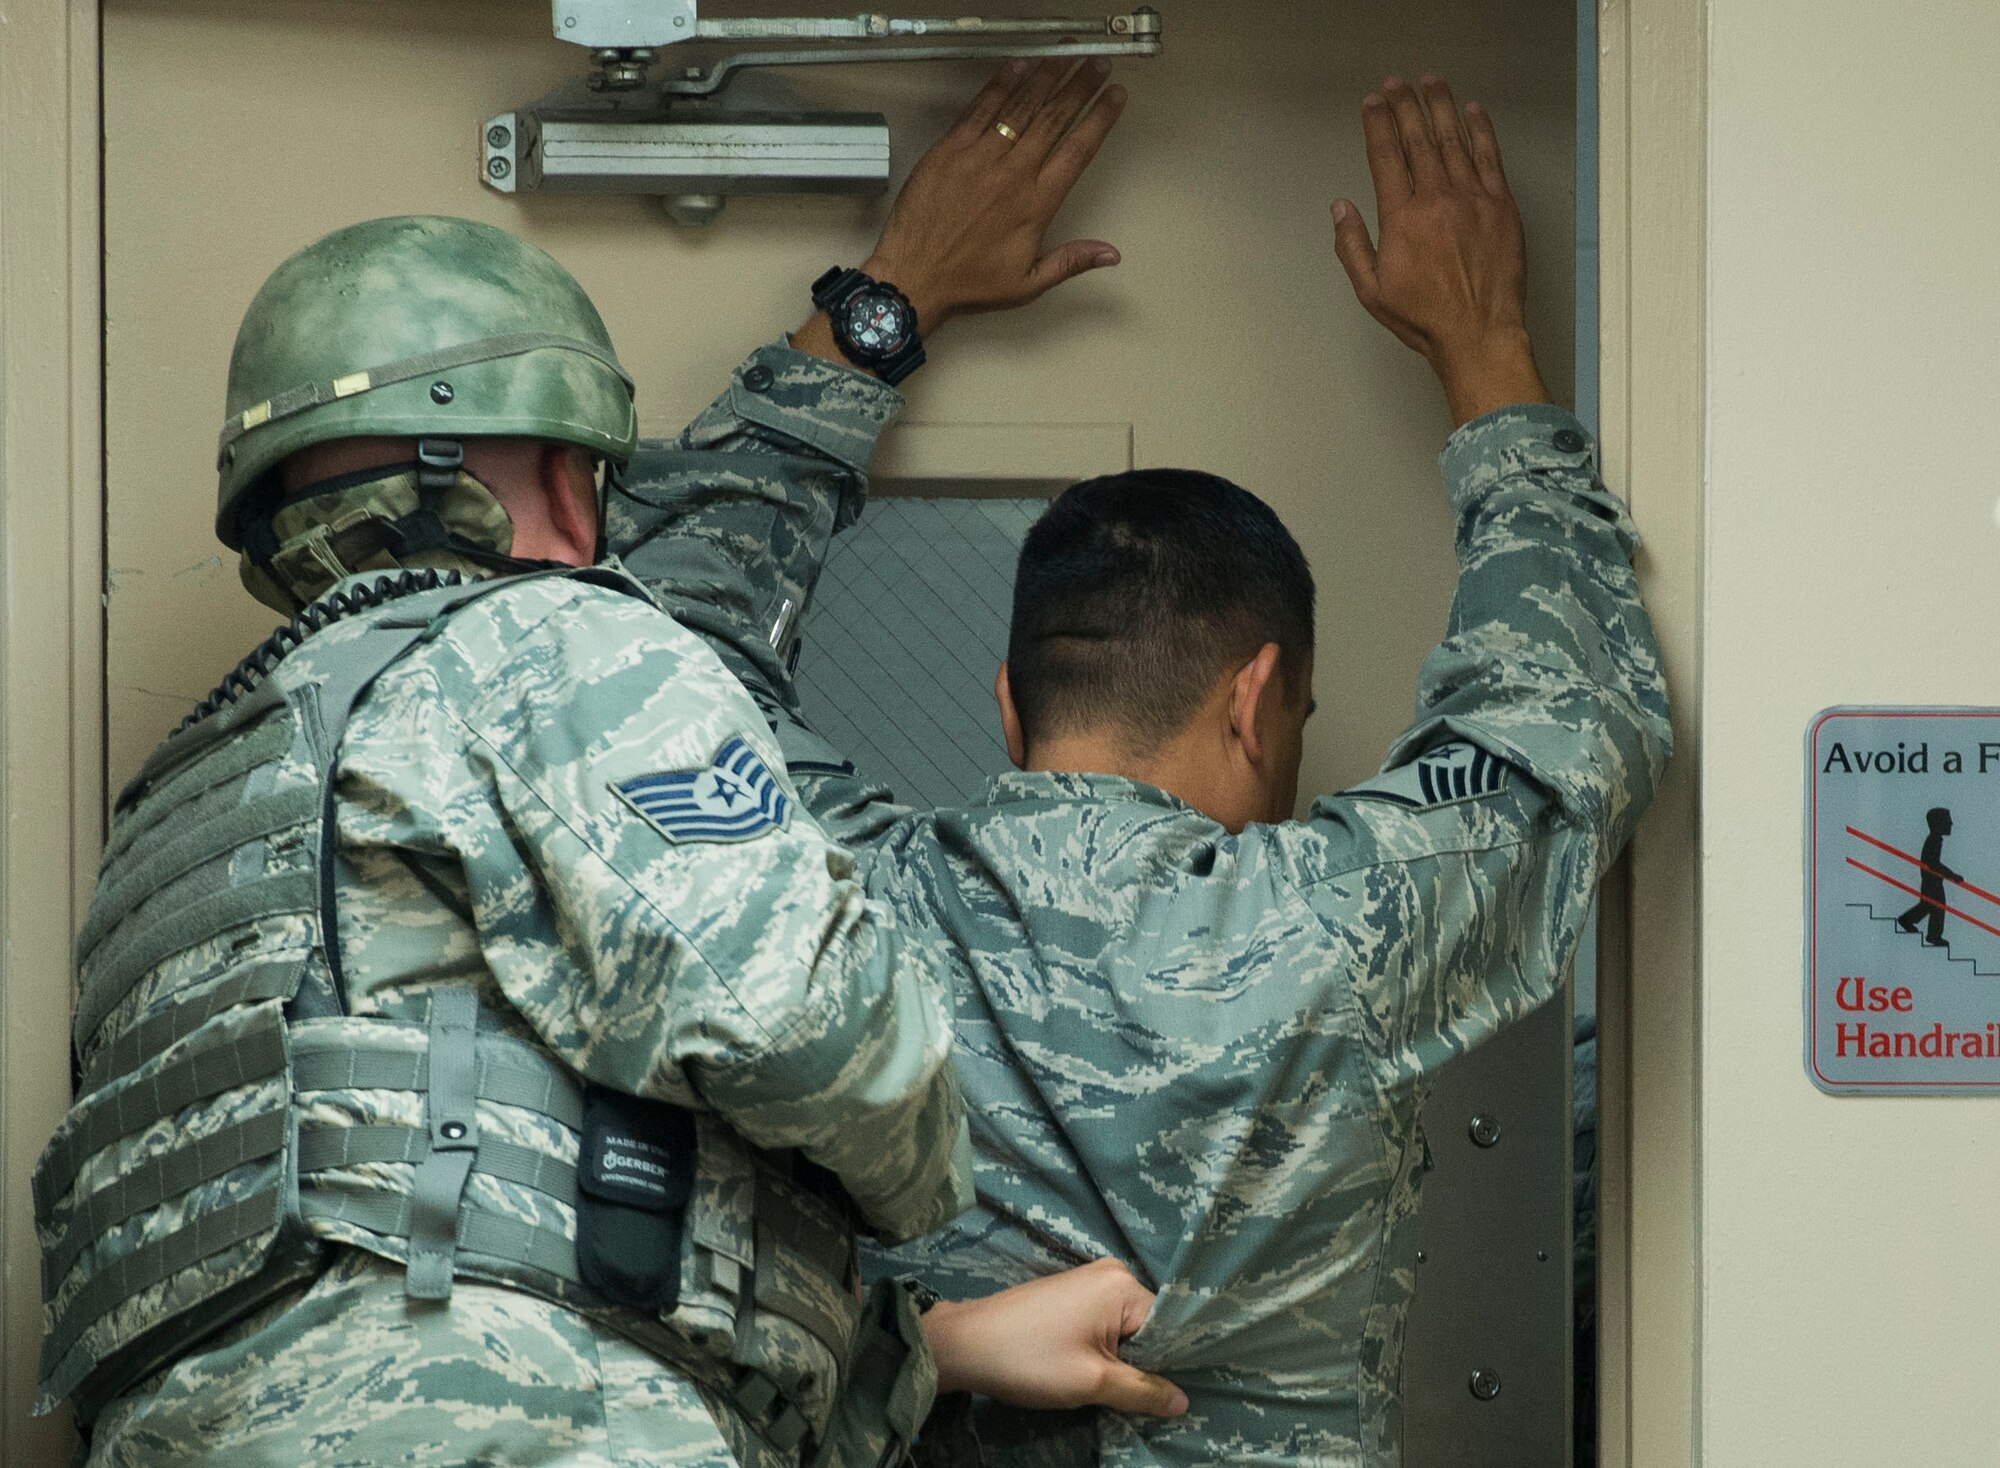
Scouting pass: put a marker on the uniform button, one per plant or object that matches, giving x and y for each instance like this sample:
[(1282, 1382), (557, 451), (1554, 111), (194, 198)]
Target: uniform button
[(758, 378), (1569, 441)]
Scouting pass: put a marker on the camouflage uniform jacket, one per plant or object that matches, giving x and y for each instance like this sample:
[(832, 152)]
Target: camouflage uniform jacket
[(480, 817), (1203, 1053), (485, 844)]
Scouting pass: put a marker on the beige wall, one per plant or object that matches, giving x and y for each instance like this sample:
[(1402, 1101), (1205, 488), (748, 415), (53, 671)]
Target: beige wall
[(237, 132), (1849, 1265)]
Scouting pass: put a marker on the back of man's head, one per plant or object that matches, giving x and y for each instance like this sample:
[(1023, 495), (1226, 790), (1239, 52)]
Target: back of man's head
[(1137, 592)]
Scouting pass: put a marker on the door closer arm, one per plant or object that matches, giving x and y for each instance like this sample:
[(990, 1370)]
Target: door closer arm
[(625, 38)]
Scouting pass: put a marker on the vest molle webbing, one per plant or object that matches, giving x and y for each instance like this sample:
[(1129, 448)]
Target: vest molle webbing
[(179, 1192)]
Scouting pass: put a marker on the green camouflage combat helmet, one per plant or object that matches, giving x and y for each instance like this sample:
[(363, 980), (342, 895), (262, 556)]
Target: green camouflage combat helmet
[(417, 327)]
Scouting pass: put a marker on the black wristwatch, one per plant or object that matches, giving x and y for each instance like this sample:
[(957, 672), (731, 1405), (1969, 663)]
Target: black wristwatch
[(874, 324)]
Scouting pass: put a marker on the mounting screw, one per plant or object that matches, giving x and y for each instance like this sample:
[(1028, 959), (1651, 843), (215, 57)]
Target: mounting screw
[(1542, 1255), (569, 22), (1485, 1131), (441, 393), (498, 136), (1120, 24), (1485, 1385), (498, 168), (1422, 1257), (452, 1131)]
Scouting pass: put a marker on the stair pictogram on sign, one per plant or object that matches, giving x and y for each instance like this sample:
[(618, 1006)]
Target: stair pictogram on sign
[(1933, 908), (1948, 955)]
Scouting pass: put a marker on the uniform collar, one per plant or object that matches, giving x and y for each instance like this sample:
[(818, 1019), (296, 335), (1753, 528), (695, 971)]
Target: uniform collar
[(608, 563), (1018, 786)]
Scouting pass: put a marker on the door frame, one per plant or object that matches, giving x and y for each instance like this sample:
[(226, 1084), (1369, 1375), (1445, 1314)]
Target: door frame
[(51, 623), (1652, 136)]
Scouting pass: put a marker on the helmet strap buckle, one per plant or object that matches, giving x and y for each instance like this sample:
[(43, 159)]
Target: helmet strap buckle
[(439, 461)]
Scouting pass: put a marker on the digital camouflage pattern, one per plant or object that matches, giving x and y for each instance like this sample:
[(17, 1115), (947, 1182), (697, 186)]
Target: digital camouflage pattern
[(349, 1375), (1200, 1053), (751, 979), (483, 846)]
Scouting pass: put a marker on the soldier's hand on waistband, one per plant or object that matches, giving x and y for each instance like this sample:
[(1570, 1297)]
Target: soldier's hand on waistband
[(1052, 1343), (1450, 277), (969, 230)]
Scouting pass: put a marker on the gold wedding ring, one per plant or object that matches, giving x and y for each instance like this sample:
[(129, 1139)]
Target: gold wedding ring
[(1006, 131)]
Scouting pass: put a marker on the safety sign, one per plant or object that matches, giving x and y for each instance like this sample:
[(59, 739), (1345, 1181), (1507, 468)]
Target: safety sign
[(1903, 900)]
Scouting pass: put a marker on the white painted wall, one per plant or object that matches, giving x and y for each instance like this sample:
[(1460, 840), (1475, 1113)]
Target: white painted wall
[(1850, 1248)]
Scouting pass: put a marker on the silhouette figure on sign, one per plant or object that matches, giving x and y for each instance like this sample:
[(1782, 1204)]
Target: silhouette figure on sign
[(1930, 910)]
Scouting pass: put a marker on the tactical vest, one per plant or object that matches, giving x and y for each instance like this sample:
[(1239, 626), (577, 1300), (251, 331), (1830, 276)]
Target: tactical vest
[(177, 1196)]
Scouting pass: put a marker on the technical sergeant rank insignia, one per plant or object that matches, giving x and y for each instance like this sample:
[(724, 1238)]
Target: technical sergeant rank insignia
[(1444, 776), (733, 799)]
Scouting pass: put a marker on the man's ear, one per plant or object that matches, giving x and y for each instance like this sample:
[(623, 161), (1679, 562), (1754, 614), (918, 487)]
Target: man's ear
[(1254, 695), (569, 489), (1010, 720)]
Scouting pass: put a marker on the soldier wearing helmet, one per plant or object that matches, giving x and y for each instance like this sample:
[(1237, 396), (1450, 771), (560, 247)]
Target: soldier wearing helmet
[(482, 1055), (363, 370)]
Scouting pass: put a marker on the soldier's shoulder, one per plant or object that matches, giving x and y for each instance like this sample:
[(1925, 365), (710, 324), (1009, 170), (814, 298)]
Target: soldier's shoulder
[(551, 622), (589, 600), (566, 653), (1455, 798)]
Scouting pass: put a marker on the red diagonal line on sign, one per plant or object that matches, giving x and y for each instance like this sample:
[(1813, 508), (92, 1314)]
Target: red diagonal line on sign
[(1955, 881), (1932, 901)]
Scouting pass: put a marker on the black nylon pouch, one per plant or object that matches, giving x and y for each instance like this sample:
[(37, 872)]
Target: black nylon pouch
[(634, 1179)]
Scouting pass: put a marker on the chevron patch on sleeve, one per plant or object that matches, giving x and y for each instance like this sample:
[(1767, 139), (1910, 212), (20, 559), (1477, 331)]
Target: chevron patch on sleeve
[(1448, 774), (734, 799)]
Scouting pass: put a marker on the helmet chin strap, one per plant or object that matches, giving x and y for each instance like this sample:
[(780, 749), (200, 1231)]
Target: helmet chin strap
[(439, 463)]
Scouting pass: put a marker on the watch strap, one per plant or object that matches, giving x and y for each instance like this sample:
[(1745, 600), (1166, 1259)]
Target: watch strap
[(834, 287), (900, 366)]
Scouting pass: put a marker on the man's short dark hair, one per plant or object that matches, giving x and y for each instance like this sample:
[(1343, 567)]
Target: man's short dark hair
[(1137, 591)]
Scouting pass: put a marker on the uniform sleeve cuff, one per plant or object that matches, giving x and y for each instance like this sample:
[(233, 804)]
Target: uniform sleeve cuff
[(1509, 442), (838, 411), (1536, 447)]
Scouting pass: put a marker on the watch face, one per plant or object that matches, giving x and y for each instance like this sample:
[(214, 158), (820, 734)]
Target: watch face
[(878, 324)]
